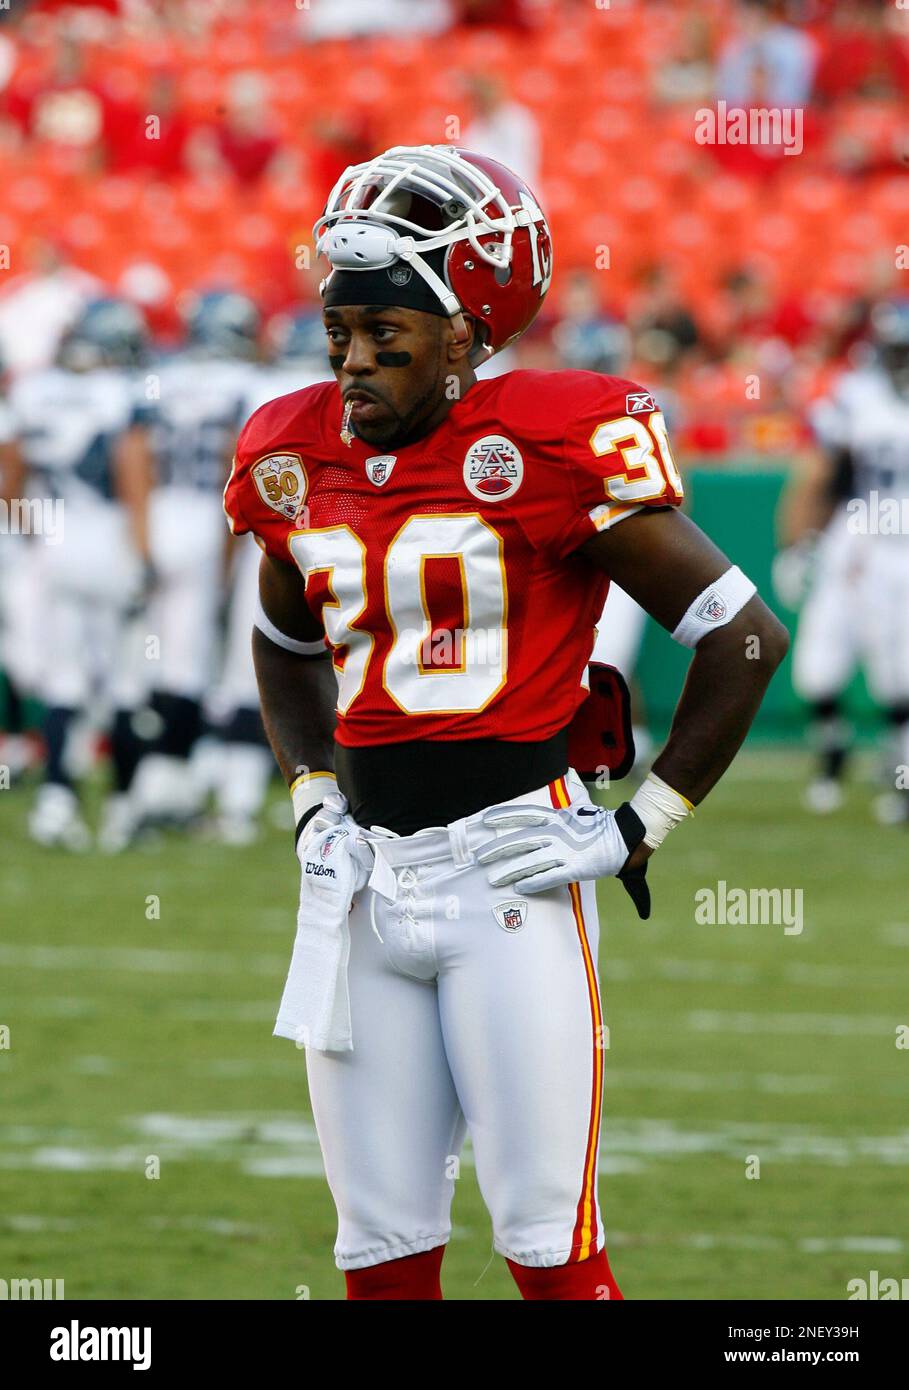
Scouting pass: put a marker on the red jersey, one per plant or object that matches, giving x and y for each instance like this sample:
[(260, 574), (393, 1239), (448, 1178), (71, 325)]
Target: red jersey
[(446, 573)]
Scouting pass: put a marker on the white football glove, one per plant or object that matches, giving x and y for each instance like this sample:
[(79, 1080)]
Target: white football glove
[(550, 848), (792, 569), (332, 812)]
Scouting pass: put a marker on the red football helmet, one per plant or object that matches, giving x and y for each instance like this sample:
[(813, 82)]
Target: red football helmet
[(412, 200)]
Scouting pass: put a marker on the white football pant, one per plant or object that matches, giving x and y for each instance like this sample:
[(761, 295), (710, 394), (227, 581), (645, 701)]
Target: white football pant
[(477, 1011)]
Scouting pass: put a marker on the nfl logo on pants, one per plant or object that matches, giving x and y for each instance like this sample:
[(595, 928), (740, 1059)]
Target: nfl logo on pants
[(512, 915)]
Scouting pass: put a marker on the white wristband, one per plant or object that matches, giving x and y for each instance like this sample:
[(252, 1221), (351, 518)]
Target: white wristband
[(715, 606), (310, 789), (280, 639), (660, 808)]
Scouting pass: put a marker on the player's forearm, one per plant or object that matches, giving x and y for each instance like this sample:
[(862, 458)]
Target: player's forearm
[(134, 476), (728, 676), (12, 473), (298, 695)]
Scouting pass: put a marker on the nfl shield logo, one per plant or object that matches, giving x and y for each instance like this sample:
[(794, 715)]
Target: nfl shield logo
[(378, 468), (712, 609), (331, 841), (512, 915)]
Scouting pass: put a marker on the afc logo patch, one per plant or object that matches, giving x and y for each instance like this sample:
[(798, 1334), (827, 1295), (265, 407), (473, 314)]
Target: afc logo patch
[(511, 916), (639, 403), (280, 481), (712, 609), (378, 468), (493, 468)]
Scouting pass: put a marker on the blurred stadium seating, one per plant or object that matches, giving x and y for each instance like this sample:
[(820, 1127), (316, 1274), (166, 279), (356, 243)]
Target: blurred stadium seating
[(257, 113)]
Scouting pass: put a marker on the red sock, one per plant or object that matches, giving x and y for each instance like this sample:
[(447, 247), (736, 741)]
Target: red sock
[(590, 1279), (413, 1276)]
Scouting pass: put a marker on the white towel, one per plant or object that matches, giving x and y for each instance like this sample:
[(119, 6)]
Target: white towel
[(315, 1007)]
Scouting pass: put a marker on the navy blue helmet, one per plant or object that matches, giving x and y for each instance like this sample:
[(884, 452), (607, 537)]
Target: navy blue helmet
[(297, 336), (107, 333), (890, 331), (222, 323)]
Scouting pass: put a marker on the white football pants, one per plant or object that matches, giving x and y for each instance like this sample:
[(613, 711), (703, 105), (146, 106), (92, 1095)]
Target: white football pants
[(87, 583), (477, 1011), (187, 541), (857, 613)]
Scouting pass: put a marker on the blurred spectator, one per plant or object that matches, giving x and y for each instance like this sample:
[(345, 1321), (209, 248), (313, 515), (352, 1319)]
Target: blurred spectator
[(7, 59), (343, 19), (586, 338), (517, 15), (63, 107), (150, 289), (860, 52), (36, 308), (767, 61), (687, 76), (505, 130), (135, 143), (662, 324), (245, 141), (751, 310), (339, 139)]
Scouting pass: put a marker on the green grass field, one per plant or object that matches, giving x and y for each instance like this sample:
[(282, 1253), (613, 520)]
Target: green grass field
[(133, 1036)]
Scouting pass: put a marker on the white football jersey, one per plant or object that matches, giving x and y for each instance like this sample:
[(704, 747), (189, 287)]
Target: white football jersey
[(280, 379), (195, 419), (7, 424), (865, 415), (68, 424)]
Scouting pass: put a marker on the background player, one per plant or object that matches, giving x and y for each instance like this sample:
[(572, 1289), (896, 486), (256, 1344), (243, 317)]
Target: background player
[(198, 399), (840, 522), (242, 763), (87, 459)]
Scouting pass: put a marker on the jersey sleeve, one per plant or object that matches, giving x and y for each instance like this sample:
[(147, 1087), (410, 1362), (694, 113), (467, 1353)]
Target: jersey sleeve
[(616, 460), (828, 419), (266, 491)]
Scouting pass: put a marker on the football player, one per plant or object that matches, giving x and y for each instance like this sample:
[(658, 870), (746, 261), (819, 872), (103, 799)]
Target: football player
[(243, 764), (437, 552), (846, 524), (88, 461), (197, 401), (15, 608)]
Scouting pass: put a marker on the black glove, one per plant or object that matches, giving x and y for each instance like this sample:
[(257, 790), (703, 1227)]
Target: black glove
[(634, 881)]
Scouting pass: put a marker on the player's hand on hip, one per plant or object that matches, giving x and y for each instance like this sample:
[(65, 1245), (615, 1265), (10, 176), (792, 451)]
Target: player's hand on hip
[(543, 848), (332, 812)]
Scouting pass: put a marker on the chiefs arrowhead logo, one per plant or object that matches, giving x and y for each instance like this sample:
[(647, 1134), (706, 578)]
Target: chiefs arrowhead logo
[(493, 468), (378, 468)]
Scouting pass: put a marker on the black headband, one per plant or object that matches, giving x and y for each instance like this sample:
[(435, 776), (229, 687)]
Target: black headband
[(399, 286)]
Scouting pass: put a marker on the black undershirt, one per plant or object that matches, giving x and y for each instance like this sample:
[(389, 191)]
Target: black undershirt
[(407, 787)]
